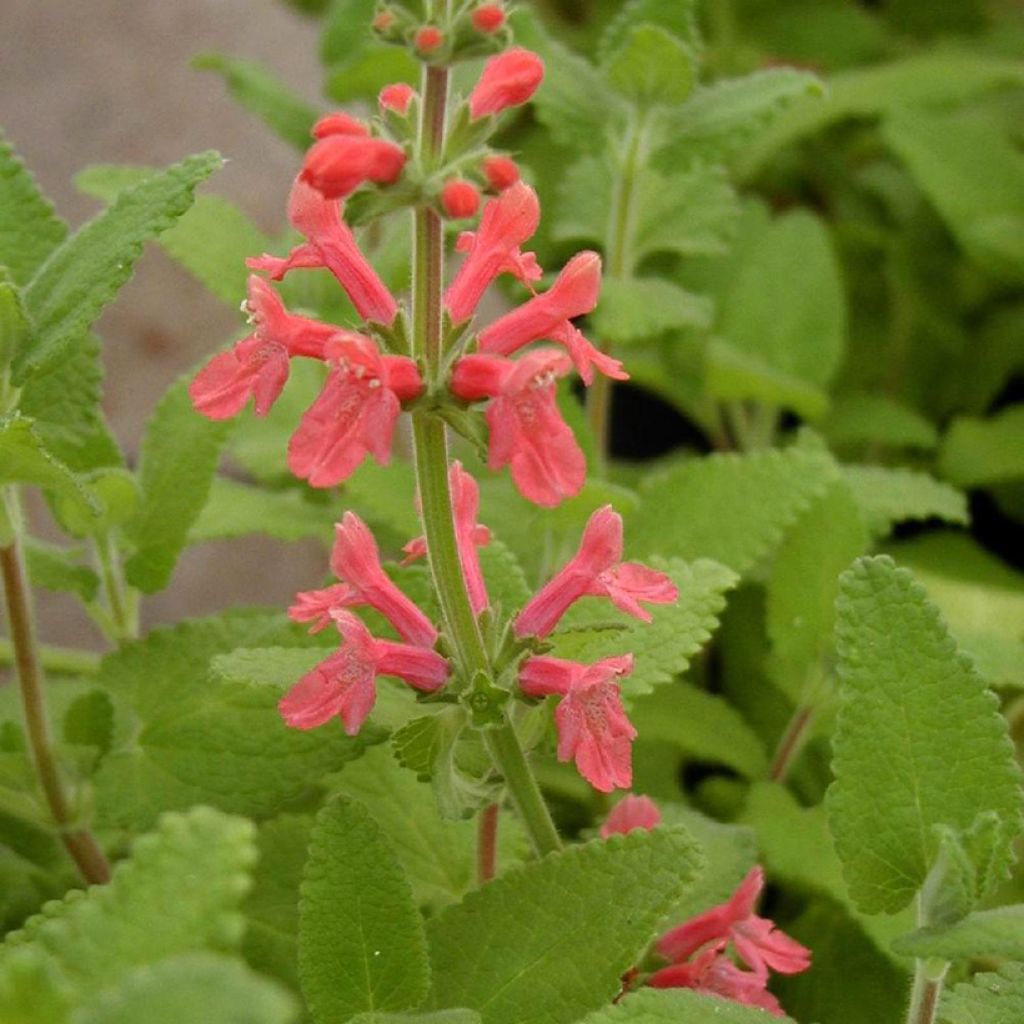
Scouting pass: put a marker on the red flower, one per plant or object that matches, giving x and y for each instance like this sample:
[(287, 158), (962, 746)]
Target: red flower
[(508, 80), (507, 222), (500, 172), (339, 123), (460, 198), (629, 813), (714, 974), (331, 244), (428, 39), (527, 432), (574, 293), (337, 164), (355, 413), (469, 535), (356, 562), (257, 367), (592, 724), (488, 18), (396, 97), (345, 683), (597, 569)]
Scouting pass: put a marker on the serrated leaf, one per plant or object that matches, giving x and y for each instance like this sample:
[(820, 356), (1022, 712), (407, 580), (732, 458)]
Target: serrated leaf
[(362, 77), (562, 953), (140, 917), (732, 508), (54, 568), (888, 496), (978, 452), (584, 201), (81, 276), (651, 67), (904, 761), (662, 648), (678, 1006), (29, 227), (506, 583), (639, 309), (177, 461), (211, 240), (863, 419), (996, 998), (185, 736), (439, 1017), (361, 941), (973, 174), (15, 326), (679, 17), (264, 95), (985, 933), (195, 987)]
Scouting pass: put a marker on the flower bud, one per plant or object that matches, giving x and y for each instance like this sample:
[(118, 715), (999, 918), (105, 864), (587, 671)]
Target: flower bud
[(500, 172), (460, 198), (488, 18), (508, 80), (338, 164), (396, 97), (428, 39), (338, 123)]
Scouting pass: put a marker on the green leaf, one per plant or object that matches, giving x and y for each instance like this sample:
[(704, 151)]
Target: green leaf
[(152, 908), (677, 1006), (15, 326), (639, 309), (652, 67), (506, 583), (80, 277), (54, 568), (346, 29), (29, 228), (978, 452), (996, 998), (185, 735), (889, 496), (662, 647), (177, 461), (905, 762), (362, 77), (361, 941), (562, 951), (719, 120), (865, 419), (997, 932), (264, 95), (194, 987), (973, 174), (439, 1017), (235, 509), (211, 240), (679, 17), (732, 508)]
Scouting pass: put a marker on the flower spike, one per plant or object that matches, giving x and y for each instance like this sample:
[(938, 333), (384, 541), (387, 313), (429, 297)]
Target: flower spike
[(597, 569), (330, 244), (592, 724), (527, 432), (547, 316), (508, 80)]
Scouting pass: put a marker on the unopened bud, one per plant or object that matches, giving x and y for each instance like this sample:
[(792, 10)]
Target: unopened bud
[(460, 199), (339, 123), (488, 18), (396, 97), (428, 39), (508, 80), (500, 172)]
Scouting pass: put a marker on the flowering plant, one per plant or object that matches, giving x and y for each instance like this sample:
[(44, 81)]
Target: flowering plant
[(406, 793)]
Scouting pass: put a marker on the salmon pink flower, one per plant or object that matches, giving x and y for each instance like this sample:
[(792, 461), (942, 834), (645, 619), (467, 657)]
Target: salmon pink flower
[(396, 98), (355, 561), (338, 164), (488, 18), (508, 80), (460, 198), (469, 535), (507, 222), (597, 569), (331, 244), (714, 974), (257, 367), (339, 123), (344, 684), (527, 432), (574, 293), (428, 39), (592, 724), (500, 172), (629, 813), (355, 413)]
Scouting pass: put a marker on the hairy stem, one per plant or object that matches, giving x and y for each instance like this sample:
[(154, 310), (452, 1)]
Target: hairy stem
[(431, 460), (791, 742), (929, 976), (121, 603), (487, 843), (78, 841)]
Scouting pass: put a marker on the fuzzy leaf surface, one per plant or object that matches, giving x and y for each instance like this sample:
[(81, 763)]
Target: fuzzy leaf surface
[(639, 309), (678, 1006), (998, 932), (542, 972), (919, 740), (651, 67), (977, 452), (996, 998), (890, 495)]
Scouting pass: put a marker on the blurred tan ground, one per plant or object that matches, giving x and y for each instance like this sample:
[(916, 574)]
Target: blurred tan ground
[(108, 81)]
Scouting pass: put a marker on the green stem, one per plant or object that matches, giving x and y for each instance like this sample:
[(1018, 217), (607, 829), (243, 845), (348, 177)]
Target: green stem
[(431, 461), (123, 609), (929, 976), (79, 842), (62, 660)]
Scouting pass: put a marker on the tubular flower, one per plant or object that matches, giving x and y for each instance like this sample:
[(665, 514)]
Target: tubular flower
[(508, 80), (355, 561), (257, 366), (355, 413), (460, 198), (597, 569), (629, 813), (337, 164), (714, 974), (501, 172), (527, 432), (339, 123), (331, 244), (592, 724), (469, 535), (574, 293), (396, 98), (507, 222), (345, 683)]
